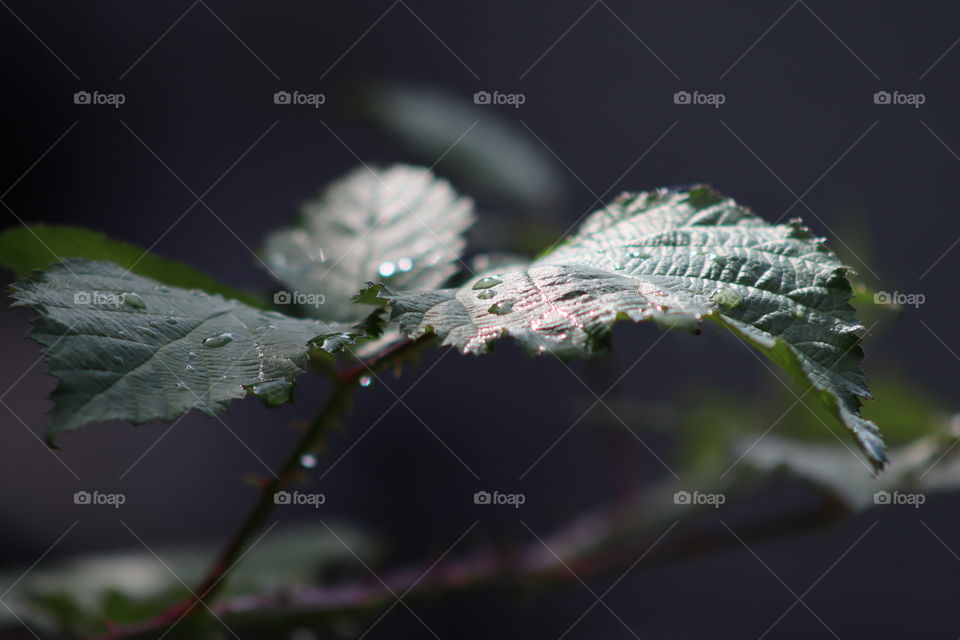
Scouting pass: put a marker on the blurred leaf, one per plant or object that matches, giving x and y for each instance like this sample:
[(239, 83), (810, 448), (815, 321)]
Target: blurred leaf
[(926, 465), (496, 157), (23, 250), (77, 595), (400, 224)]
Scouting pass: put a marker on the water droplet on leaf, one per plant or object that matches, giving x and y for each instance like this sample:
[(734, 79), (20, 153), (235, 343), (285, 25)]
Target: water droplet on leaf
[(486, 283), (134, 300), (727, 298), (502, 308), (405, 264), (148, 331), (218, 340), (273, 393), (486, 295)]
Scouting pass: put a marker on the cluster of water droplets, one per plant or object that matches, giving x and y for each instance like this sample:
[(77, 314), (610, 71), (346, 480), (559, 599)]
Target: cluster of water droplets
[(486, 288)]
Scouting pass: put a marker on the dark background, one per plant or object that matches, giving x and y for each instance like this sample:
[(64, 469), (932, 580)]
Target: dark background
[(800, 99)]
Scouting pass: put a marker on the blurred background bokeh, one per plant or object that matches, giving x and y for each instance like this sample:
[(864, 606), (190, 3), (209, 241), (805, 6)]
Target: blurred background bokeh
[(798, 134)]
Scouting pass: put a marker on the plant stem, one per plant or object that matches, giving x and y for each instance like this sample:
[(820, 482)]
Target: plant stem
[(591, 544), (261, 511), (343, 390), (345, 384)]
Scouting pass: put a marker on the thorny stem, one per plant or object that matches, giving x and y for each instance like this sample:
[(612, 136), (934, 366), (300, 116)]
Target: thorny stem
[(593, 543), (338, 401), (345, 384), (596, 542)]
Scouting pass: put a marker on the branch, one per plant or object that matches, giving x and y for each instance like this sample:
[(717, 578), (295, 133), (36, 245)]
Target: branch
[(214, 580), (605, 540)]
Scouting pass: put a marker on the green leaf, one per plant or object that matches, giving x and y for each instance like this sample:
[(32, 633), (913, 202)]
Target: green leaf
[(400, 225), (25, 249), (483, 150), (674, 257), (125, 347)]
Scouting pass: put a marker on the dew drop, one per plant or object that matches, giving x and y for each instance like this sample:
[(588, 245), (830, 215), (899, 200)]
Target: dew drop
[(639, 255), (365, 381), (502, 308), (486, 283), (218, 340), (486, 295), (161, 288), (405, 264), (190, 367), (192, 355), (134, 300), (273, 393), (171, 320), (181, 386), (727, 298), (117, 360), (308, 461), (387, 269)]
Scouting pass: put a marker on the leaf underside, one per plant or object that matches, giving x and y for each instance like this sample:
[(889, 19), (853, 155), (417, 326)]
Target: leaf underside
[(674, 257), (124, 347)]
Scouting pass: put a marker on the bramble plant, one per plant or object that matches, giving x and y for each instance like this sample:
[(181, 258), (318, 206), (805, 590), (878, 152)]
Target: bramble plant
[(375, 271)]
